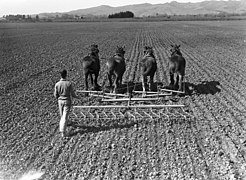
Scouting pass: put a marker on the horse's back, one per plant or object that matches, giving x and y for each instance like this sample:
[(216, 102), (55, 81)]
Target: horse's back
[(116, 64), (149, 62), (91, 64), (177, 64)]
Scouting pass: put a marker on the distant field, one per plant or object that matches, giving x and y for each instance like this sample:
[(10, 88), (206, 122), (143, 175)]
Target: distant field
[(205, 141)]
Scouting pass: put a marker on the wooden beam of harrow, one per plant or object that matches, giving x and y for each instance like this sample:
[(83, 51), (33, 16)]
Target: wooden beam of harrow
[(147, 92), (169, 90), (113, 94), (158, 95), (85, 91), (100, 95), (136, 106), (132, 99), (101, 92)]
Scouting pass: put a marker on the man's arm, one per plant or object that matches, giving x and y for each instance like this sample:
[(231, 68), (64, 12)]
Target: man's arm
[(73, 93), (56, 92)]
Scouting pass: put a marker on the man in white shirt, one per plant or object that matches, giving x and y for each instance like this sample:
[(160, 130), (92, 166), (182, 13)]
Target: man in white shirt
[(64, 93)]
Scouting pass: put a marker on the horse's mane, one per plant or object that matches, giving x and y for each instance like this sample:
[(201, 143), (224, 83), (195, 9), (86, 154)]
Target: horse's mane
[(150, 55), (118, 54), (93, 54), (177, 52)]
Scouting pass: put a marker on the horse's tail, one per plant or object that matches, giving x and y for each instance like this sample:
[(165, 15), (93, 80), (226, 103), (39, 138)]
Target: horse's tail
[(148, 70), (151, 67), (111, 64), (87, 62)]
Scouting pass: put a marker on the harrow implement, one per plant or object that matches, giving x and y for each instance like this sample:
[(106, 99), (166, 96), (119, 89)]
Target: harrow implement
[(128, 110)]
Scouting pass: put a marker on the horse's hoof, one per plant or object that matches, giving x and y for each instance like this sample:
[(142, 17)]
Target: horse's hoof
[(176, 87), (96, 88), (181, 90), (171, 86)]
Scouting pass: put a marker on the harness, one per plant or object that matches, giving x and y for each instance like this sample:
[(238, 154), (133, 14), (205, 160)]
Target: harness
[(176, 53), (118, 54), (93, 56)]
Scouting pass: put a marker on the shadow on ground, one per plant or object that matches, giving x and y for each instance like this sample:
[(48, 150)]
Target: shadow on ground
[(205, 87), (81, 129)]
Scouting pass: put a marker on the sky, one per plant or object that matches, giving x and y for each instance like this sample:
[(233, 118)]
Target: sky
[(29, 7)]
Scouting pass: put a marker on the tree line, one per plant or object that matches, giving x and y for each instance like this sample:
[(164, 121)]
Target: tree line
[(20, 17), (127, 14)]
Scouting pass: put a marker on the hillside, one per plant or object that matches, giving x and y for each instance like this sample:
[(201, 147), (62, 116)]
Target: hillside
[(172, 8)]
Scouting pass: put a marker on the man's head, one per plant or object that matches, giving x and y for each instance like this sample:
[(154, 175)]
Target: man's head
[(64, 73)]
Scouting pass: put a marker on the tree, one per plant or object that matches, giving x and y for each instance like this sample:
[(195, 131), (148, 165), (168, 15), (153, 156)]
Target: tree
[(37, 18), (126, 14)]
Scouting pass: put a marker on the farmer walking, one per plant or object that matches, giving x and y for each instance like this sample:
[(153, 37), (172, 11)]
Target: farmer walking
[(64, 93)]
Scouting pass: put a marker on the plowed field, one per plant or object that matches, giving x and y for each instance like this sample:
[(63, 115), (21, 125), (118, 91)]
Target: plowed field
[(206, 140)]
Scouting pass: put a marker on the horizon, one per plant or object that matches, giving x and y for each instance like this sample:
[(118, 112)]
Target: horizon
[(32, 7)]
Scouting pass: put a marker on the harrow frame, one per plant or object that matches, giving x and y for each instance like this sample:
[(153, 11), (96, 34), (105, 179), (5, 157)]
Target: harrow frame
[(122, 111)]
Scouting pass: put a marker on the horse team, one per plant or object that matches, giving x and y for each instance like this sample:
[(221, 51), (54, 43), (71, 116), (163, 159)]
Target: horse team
[(116, 66)]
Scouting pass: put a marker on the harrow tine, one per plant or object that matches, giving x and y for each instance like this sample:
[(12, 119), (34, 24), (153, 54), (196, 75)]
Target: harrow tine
[(122, 115), (84, 116), (148, 115), (91, 114), (131, 115), (111, 111), (74, 113), (135, 111), (97, 115), (151, 110), (105, 113)]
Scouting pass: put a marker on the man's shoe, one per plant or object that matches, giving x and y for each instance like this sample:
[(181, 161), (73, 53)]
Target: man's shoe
[(70, 123), (63, 134)]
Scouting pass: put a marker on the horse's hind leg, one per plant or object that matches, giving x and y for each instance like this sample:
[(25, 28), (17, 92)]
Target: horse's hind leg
[(110, 81), (177, 82), (86, 81), (91, 77), (171, 79), (144, 84), (151, 83), (181, 77), (96, 86), (120, 80), (116, 83)]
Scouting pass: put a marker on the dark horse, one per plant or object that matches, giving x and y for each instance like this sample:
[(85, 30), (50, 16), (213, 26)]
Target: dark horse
[(116, 67), (176, 64), (148, 68), (91, 65)]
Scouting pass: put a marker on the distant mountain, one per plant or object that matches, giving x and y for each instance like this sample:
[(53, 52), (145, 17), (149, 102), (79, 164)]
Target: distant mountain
[(146, 9)]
